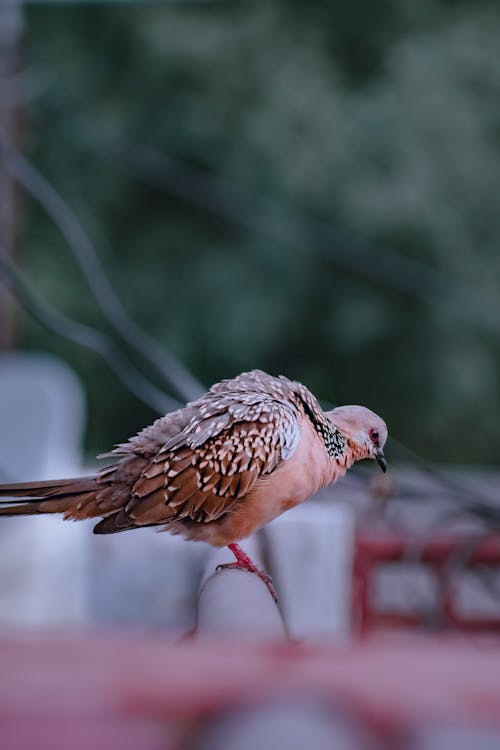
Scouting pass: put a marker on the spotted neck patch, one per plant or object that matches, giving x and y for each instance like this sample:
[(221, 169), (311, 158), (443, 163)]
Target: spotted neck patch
[(332, 437)]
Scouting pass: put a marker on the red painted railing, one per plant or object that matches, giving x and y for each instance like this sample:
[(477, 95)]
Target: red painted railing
[(442, 555)]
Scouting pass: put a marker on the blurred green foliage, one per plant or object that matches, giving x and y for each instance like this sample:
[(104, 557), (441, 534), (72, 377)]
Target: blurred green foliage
[(382, 119)]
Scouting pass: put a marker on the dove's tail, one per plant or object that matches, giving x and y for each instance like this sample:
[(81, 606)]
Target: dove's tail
[(53, 496)]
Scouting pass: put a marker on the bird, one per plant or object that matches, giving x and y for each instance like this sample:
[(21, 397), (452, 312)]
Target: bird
[(217, 469)]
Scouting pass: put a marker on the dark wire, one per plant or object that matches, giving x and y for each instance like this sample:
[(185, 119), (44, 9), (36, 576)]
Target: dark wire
[(186, 386), (472, 499), (87, 337), (261, 214)]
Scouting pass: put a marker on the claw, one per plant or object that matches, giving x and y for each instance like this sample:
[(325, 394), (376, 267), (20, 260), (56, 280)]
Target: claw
[(243, 562)]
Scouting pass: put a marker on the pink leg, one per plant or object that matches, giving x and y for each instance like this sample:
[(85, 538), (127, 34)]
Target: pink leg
[(245, 563)]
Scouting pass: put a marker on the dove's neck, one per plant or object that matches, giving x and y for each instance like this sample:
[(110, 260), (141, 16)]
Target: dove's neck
[(353, 452)]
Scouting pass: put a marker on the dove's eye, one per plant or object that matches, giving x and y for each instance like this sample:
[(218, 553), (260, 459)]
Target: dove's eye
[(374, 436)]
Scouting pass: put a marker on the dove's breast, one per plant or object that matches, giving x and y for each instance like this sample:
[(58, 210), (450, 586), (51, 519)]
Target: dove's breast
[(293, 481)]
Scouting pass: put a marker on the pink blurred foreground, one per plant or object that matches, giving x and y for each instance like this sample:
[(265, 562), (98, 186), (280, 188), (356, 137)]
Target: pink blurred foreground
[(115, 690)]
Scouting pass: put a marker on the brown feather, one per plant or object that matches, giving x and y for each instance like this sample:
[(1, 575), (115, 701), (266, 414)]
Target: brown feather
[(37, 490), (234, 486), (184, 494), (114, 523), (23, 509), (152, 509), (145, 486)]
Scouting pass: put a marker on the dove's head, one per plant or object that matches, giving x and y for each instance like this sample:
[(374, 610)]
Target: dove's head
[(364, 431)]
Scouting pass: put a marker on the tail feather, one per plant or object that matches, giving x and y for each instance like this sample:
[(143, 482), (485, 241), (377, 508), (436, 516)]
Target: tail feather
[(80, 498), (50, 488), (52, 496), (24, 509)]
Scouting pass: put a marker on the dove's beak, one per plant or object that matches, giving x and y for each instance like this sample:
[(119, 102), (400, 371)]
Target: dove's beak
[(380, 459)]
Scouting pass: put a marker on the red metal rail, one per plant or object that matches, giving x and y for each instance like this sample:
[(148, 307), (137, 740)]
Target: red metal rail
[(440, 554)]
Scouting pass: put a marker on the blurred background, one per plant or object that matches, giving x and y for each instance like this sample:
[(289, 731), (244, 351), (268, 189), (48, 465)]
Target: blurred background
[(309, 188)]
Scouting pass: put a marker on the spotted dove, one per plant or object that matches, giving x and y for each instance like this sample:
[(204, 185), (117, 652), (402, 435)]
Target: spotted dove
[(219, 468)]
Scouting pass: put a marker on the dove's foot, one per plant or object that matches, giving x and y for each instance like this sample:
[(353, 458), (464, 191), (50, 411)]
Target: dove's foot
[(244, 562)]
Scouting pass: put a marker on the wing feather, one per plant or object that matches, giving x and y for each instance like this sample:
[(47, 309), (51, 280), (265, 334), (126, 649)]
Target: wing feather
[(213, 463)]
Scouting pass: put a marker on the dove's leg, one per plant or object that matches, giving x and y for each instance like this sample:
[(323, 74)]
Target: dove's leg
[(244, 562)]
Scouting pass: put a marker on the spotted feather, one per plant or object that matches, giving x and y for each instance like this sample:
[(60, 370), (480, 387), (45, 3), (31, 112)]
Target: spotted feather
[(203, 481)]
